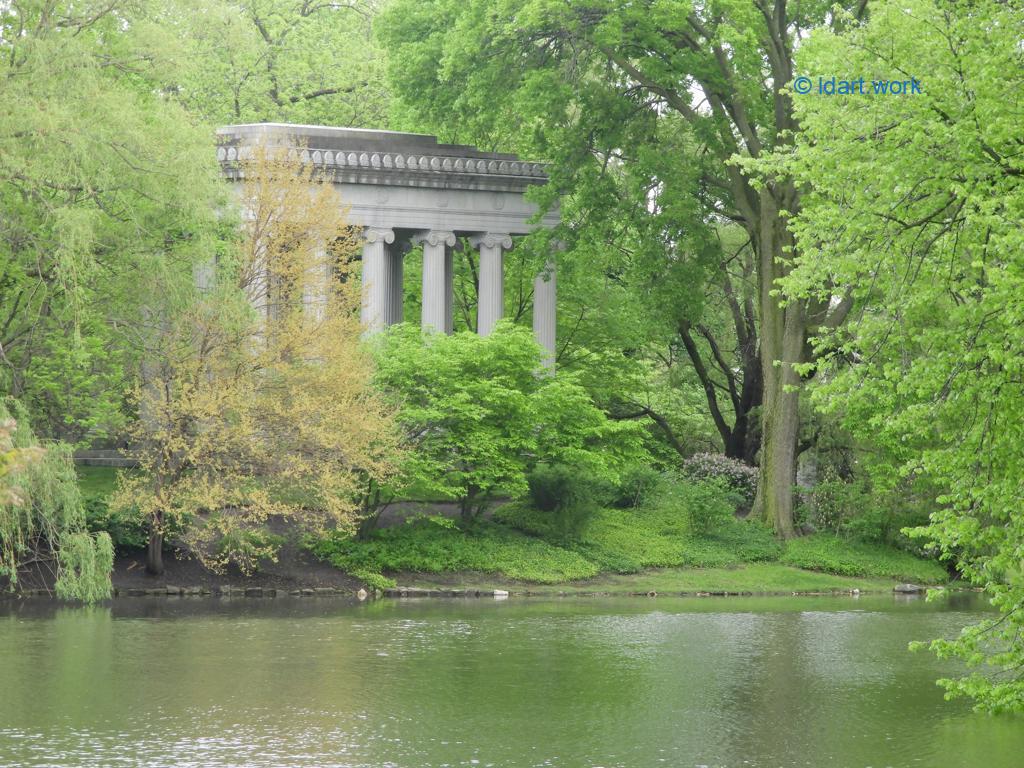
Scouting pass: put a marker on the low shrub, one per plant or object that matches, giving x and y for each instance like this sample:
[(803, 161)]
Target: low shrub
[(425, 547), (834, 501), (569, 495), (706, 505), (523, 516), (883, 521), (851, 507), (750, 541), (375, 580), (638, 486)]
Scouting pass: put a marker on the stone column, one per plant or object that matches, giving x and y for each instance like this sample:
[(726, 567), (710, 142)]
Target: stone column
[(491, 290), (315, 288), (258, 288), (437, 279), (378, 275), (544, 314)]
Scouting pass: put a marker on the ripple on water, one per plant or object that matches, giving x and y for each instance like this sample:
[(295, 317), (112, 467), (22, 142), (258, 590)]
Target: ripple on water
[(615, 684)]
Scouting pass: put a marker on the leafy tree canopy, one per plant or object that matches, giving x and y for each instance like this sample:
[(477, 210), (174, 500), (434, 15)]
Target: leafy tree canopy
[(916, 206), (296, 61), (105, 185)]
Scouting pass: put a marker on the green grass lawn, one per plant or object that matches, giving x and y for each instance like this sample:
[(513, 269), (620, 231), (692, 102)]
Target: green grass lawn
[(98, 481), (622, 551), (850, 558), (753, 577)]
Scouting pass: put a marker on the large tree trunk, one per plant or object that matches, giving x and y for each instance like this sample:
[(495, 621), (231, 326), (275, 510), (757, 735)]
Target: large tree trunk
[(783, 333), (781, 425), (155, 551)]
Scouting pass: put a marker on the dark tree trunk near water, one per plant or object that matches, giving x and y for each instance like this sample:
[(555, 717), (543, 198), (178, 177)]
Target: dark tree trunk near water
[(736, 372), (155, 550)]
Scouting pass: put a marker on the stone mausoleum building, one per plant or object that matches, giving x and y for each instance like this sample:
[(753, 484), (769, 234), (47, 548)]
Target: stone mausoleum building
[(405, 189)]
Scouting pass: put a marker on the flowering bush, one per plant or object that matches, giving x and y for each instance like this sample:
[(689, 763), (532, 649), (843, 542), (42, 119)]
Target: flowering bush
[(711, 466)]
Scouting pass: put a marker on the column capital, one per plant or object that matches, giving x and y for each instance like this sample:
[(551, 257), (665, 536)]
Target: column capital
[(434, 237), (547, 272), (378, 235), (492, 240)]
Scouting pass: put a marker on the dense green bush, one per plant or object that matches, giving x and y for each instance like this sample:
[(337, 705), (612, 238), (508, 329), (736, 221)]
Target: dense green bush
[(127, 531), (834, 501), (706, 505), (750, 541), (523, 516), (853, 507), (375, 580)]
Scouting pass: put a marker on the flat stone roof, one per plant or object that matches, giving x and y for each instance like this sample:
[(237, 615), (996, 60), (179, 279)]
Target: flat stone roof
[(329, 137)]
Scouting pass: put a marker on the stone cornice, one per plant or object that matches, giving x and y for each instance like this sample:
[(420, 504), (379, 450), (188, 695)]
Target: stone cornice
[(381, 157)]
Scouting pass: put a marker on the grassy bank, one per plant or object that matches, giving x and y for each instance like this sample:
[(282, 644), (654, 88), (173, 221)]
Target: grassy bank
[(652, 549), (753, 578), (635, 550)]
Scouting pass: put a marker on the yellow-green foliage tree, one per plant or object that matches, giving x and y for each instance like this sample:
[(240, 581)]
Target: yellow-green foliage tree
[(257, 402)]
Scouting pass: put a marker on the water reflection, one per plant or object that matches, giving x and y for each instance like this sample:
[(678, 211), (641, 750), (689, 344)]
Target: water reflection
[(419, 684)]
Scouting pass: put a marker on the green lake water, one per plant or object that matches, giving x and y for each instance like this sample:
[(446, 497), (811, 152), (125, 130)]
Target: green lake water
[(423, 684)]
